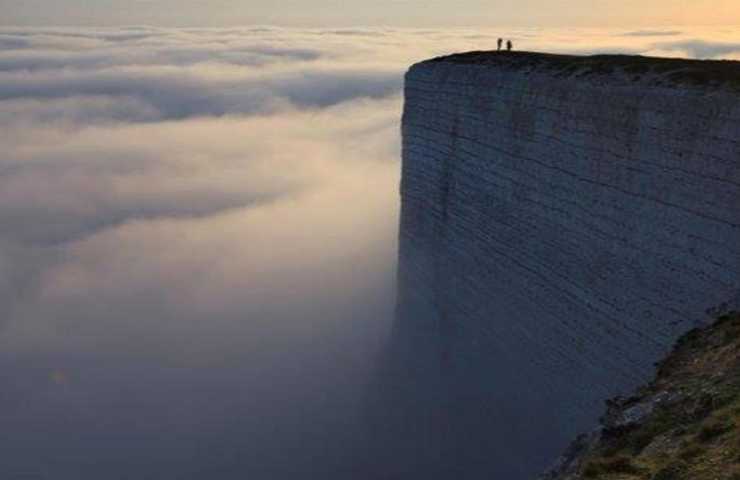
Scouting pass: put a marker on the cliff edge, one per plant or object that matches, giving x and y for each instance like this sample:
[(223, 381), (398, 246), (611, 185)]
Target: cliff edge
[(564, 220), (626, 69)]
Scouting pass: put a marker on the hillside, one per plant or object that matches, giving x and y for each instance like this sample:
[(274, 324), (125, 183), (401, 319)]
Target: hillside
[(684, 425)]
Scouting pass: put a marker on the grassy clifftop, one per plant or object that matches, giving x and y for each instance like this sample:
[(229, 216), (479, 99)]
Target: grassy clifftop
[(626, 68), (685, 425)]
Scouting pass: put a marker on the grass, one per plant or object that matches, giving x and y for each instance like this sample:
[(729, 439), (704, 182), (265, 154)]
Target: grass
[(714, 430), (671, 472), (619, 465)]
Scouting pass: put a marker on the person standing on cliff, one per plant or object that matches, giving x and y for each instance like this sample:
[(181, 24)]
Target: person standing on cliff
[(500, 44), (509, 45)]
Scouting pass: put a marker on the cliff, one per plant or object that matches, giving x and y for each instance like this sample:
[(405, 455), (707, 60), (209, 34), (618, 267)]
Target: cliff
[(564, 220), (685, 425)]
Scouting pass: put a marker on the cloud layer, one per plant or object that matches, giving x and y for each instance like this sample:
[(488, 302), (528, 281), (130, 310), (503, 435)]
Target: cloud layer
[(198, 240)]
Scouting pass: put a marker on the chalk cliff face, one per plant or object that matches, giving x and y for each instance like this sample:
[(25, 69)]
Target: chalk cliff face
[(564, 221)]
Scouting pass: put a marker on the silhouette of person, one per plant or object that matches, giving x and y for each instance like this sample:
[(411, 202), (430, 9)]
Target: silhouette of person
[(500, 43), (509, 45)]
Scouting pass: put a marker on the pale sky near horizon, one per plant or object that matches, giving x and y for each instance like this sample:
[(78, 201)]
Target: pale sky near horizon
[(320, 13)]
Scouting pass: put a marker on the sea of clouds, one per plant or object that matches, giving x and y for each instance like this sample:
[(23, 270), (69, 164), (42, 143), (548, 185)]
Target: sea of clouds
[(197, 240)]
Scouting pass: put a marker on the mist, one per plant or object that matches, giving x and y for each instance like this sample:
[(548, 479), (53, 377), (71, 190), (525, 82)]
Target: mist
[(198, 241)]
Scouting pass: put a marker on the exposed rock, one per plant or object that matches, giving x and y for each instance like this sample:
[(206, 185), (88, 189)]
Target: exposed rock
[(623, 413)]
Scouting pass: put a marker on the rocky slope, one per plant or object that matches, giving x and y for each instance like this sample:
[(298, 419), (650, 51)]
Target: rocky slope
[(685, 425)]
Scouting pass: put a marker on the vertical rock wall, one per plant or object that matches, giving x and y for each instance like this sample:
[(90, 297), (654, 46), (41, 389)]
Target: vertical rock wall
[(558, 234)]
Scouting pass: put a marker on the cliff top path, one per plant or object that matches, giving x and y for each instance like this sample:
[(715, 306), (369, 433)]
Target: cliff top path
[(650, 70)]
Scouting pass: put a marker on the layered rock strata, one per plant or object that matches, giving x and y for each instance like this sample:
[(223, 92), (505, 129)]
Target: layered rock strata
[(564, 220)]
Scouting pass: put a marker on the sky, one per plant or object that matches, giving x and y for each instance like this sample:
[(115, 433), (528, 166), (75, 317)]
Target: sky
[(198, 228), (408, 13)]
